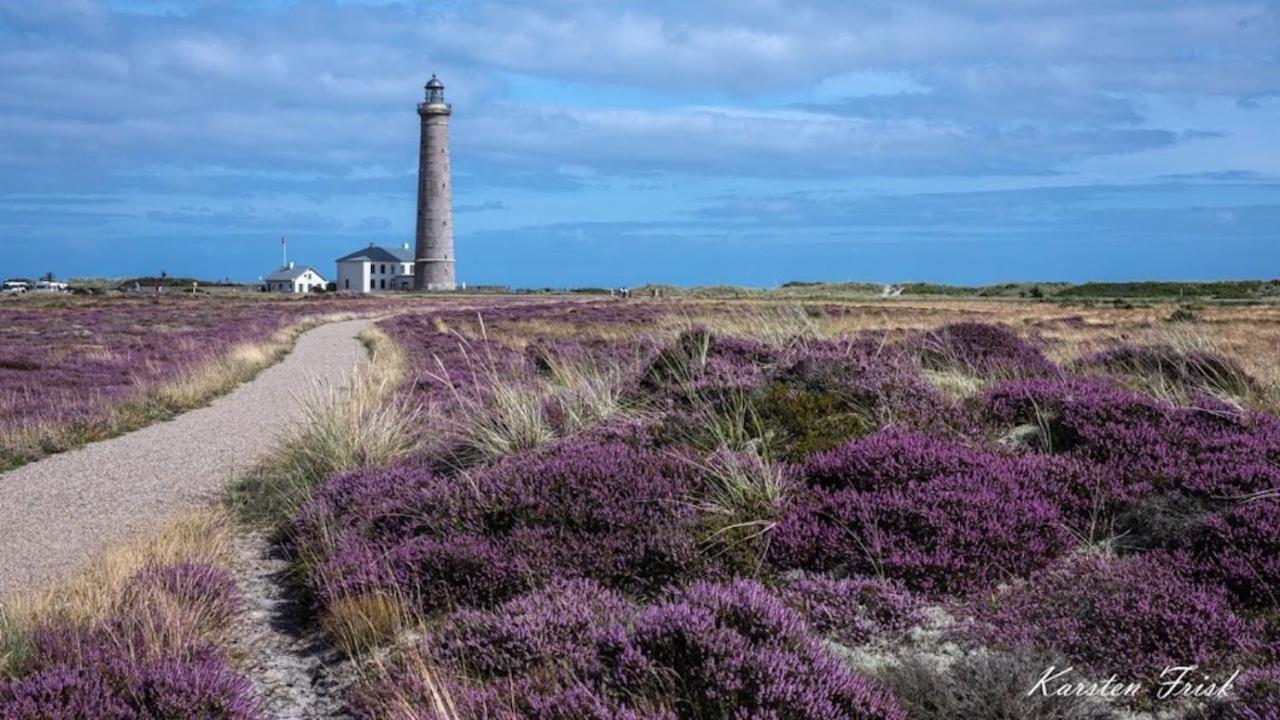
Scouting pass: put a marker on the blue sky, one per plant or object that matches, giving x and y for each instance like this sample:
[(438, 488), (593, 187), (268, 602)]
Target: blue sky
[(615, 142)]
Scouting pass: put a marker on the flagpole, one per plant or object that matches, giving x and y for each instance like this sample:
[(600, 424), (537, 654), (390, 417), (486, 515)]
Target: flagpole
[(284, 251)]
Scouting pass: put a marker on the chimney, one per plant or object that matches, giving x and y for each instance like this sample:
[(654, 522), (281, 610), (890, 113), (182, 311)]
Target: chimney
[(404, 246), (290, 264)]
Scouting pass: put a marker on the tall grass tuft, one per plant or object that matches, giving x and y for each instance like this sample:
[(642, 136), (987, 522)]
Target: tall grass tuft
[(359, 625), (423, 694), (1181, 366), (741, 499), (500, 413), (366, 424)]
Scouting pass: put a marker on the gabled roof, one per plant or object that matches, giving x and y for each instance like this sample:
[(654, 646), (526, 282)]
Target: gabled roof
[(377, 253), (291, 273)]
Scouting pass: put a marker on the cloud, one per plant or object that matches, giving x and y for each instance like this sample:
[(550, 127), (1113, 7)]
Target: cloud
[(485, 206), (801, 142), (316, 88), (246, 217)]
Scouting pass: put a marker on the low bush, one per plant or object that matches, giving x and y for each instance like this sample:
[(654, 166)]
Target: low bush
[(1150, 446), (721, 647), (153, 656), (1239, 550), (983, 350), (939, 517), (1202, 370), (581, 508), (1133, 617), (578, 651), (859, 386), (852, 611), (106, 684), (703, 363)]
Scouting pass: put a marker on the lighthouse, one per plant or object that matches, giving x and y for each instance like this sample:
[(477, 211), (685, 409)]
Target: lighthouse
[(433, 266)]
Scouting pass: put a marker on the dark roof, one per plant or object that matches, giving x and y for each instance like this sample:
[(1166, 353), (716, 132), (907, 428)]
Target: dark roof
[(377, 253), (291, 273), (434, 83)]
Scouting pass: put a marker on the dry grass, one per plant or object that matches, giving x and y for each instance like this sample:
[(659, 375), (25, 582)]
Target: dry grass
[(359, 625), (740, 500), (204, 536), (401, 701), (954, 383), (517, 413), (368, 424), (781, 326)]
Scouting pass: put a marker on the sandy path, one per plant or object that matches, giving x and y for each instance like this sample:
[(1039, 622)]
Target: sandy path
[(58, 513)]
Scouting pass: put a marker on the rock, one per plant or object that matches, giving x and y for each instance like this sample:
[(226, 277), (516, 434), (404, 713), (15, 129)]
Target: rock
[(1026, 437)]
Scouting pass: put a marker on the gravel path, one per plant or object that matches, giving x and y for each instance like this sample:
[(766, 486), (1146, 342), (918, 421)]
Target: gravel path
[(59, 512), (298, 676)]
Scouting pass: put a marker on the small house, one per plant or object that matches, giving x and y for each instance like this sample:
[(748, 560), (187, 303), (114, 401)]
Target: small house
[(290, 279)]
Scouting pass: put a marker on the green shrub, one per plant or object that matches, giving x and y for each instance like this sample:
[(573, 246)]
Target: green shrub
[(806, 421)]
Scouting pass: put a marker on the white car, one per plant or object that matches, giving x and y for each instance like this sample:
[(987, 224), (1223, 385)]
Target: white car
[(15, 288)]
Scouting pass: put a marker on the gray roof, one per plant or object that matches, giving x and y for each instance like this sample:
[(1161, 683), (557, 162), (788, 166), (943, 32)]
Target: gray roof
[(287, 273), (377, 253)]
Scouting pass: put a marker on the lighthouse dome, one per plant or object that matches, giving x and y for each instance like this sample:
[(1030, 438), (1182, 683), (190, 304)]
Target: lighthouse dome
[(434, 83)]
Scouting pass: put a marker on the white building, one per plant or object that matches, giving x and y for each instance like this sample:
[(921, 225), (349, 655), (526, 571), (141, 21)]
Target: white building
[(375, 269), (290, 279)]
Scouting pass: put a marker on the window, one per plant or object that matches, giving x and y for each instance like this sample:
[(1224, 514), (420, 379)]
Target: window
[(346, 284), (382, 269), (382, 284)]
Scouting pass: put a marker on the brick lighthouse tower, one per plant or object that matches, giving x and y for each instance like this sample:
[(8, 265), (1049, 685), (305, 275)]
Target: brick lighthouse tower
[(433, 266)]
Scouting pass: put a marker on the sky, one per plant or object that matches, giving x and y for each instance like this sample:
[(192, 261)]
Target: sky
[(617, 142)]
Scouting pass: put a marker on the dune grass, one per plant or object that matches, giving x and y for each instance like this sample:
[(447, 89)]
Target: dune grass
[(367, 424)]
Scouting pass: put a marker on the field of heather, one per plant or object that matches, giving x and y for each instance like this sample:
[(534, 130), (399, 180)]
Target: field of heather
[(715, 509), (78, 369)]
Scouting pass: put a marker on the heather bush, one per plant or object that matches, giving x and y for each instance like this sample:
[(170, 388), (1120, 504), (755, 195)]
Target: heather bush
[(1133, 617), (581, 508), (1150, 446), (1239, 550), (109, 685), (939, 517), (150, 657), (983, 685), (703, 363), (207, 591), (577, 650), (1255, 696), (810, 398), (852, 611), (552, 634), (983, 350), (1197, 369), (383, 505), (865, 384), (736, 650)]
